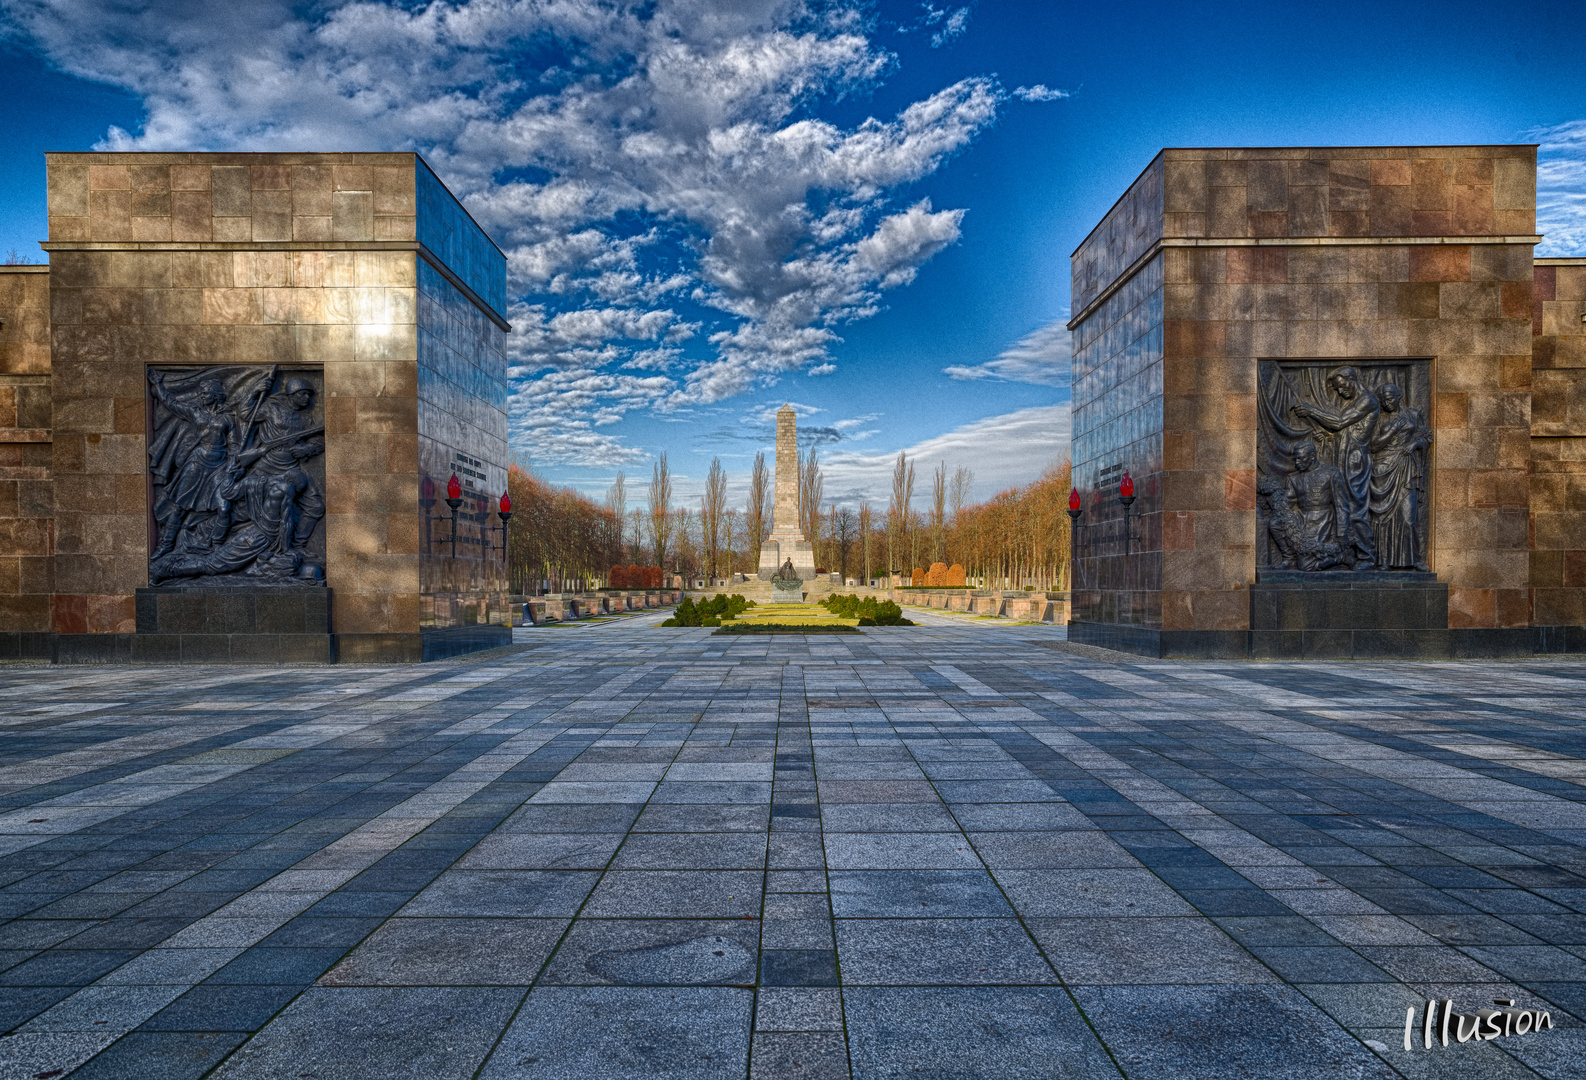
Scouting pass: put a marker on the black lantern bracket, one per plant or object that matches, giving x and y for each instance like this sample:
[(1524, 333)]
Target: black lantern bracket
[(454, 501), (506, 518), (1129, 526)]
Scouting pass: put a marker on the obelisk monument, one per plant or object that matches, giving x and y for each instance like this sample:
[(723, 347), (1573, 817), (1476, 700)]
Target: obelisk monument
[(787, 540)]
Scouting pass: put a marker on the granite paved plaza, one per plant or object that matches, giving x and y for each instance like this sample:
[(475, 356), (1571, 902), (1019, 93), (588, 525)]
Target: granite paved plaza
[(954, 850)]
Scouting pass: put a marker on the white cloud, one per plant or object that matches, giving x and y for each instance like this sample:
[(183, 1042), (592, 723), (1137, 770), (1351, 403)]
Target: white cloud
[(1561, 189), (953, 23), (1039, 92), (903, 241), (1043, 357), (674, 153), (766, 414), (1003, 451)]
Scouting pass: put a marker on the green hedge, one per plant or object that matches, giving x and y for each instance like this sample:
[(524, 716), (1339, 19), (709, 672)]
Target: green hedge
[(786, 628), (867, 611), (709, 612)]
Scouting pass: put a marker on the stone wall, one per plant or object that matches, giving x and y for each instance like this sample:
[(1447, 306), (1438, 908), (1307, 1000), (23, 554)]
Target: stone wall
[(27, 531), (1558, 443)]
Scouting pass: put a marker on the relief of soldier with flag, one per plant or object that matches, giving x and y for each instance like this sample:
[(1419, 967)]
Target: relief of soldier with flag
[(231, 456)]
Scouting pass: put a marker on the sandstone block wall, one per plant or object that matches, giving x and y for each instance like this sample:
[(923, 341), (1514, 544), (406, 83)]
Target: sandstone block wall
[(289, 259), (1334, 254), (27, 530), (1558, 443)]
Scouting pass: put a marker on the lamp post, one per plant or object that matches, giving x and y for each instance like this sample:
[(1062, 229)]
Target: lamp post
[(454, 499), (1126, 497), (505, 514)]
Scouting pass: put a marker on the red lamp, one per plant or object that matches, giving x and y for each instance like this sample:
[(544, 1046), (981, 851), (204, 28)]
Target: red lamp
[(454, 492), (1074, 505), (505, 514), (1126, 488)]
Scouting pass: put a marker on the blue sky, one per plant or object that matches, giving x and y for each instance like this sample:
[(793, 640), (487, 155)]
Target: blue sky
[(712, 208)]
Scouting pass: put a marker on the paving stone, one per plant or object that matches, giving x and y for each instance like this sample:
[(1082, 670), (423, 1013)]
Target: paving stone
[(169, 1055), (504, 893), (1140, 950), (450, 952), (354, 1032), (803, 1055), (970, 1032), (1038, 893), (657, 952), (676, 893), (541, 851), (627, 1033), (858, 894), (939, 952), (798, 1008), (1180, 839), (1044, 850), (899, 851), (692, 851), (1199, 1032)]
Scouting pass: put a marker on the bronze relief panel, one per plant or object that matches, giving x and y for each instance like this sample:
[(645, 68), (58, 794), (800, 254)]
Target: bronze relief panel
[(236, 476), (1343, 462)]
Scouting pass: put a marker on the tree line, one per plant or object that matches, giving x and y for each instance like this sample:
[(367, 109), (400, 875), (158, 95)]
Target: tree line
[(562, 539)]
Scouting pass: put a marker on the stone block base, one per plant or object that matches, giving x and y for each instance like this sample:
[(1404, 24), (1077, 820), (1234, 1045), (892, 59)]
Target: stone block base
[(193, 649), (457, 640), (234, 611), (792, 593), (1426, 643), (257, 648), (1353, 602), (773, 553)]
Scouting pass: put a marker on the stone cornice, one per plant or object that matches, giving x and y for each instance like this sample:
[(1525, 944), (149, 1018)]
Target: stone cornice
[(1285, 242), (289, 245)]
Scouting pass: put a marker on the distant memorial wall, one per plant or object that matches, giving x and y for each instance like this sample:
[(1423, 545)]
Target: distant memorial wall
[(239, 391), (1350, 402)]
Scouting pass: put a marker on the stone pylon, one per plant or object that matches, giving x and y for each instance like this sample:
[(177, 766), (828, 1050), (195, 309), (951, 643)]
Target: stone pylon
[(787, 539)]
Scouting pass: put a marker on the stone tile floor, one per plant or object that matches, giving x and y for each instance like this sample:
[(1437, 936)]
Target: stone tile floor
[(948, 851)]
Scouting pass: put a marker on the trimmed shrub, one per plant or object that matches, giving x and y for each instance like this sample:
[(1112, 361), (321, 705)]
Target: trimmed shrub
[(918, 578), (709, 612), (884, 613), (955, 577), (936, 576)]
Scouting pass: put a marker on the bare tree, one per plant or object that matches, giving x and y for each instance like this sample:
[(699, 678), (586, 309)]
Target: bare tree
[(711, 506), (844, 528), (812, 486), (757, 513), (938, 511), (685, 551), (898, 507), (864, 536), (730, 535), (617, 503), (636, 521), (963, 483), (661, 523)]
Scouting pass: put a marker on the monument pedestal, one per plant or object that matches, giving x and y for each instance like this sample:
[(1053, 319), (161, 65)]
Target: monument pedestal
[(774, 552), (1345, 614), (281, 624)]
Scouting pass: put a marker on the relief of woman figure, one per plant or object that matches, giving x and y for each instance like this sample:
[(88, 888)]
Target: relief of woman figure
[(1398, 460)]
